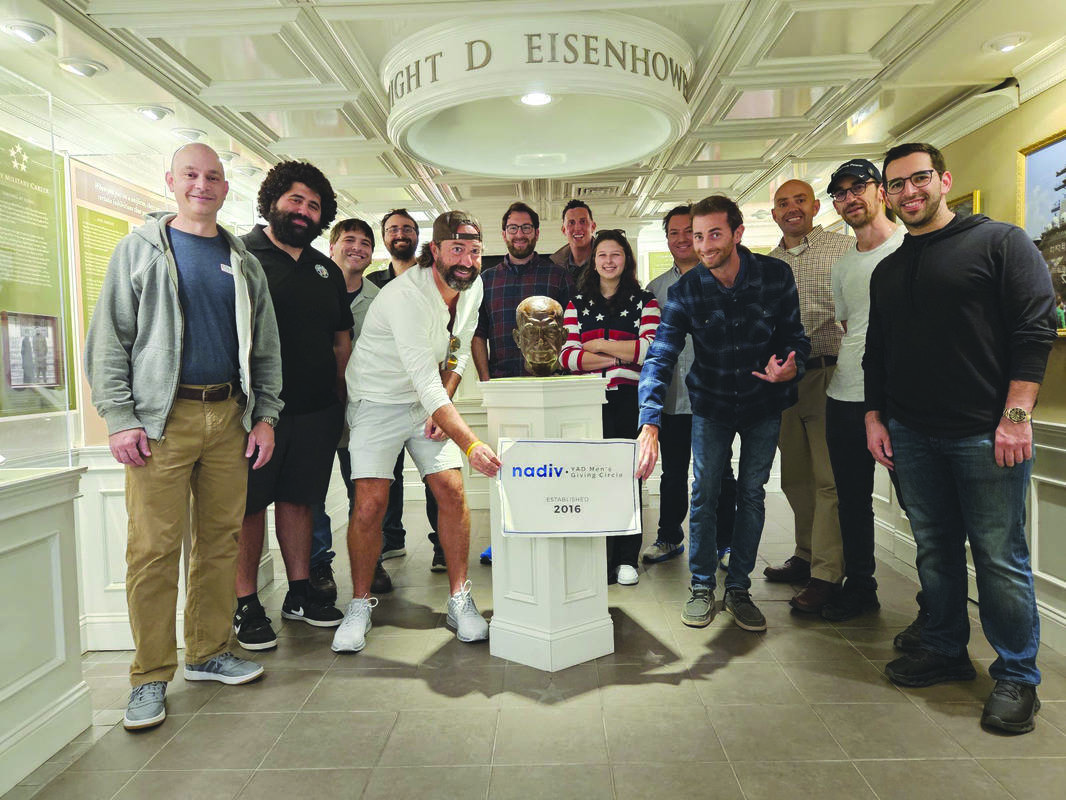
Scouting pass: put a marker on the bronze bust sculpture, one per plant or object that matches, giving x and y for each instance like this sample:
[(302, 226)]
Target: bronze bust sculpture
[(539, 334)]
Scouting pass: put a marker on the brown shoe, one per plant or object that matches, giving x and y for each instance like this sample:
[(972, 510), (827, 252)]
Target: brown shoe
[(816, 594), (795, 570)]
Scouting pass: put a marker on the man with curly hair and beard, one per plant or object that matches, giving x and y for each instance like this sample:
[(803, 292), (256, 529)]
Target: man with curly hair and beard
[(314, 323)]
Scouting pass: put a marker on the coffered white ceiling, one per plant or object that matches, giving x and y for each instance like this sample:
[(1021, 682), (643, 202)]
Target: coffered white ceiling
[(780, 89)]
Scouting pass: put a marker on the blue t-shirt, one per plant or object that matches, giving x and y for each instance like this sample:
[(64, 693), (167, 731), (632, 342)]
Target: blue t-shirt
[(206, 294)]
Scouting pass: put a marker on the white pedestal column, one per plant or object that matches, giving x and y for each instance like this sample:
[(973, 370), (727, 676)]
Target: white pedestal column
[(549, 594)]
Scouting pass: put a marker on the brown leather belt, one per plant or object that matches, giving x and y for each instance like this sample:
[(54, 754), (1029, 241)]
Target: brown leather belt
[(820, 362), (211, 394)]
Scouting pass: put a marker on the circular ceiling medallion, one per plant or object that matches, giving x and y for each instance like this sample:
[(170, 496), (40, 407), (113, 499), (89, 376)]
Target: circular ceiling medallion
[(607, 90)]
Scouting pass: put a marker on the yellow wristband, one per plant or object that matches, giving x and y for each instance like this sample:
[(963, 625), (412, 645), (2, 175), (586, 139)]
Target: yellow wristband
[(473, 444)]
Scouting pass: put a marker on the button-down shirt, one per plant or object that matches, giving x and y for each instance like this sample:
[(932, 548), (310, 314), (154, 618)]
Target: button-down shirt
[(404, 340), (734, 333), (506, 285), (812, 263), (677, 395)]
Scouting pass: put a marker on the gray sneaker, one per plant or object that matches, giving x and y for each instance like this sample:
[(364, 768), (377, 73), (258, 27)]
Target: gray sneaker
[(464, 617), (745, 614), (147, 706), (351, 635), (699, 610), (224, 668)]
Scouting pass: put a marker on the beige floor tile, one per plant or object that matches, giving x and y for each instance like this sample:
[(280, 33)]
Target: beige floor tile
[(821, 643), (221, 741), (963, 722), (199, 784), (1053, 711), (444, 738), (745, 684), (528, 687), (780, 733), (21, 792), (84, 786), (400, 651), (422, 783), (294, 653), (774, 780), (931, 780), (650, 734), (874, 643), (550, 736), (461, 687), (334, 784), (447, 652), (853, 681), (551, 782), (726, 644), (361, 689), (278, 690), (886, 730), (129, 750), (692, 781), (331, 739), (43, 773), (662, 685), (1028, 778)]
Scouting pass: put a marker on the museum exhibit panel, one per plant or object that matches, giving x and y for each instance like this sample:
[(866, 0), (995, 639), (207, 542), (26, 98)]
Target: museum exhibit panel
[(630, 108)]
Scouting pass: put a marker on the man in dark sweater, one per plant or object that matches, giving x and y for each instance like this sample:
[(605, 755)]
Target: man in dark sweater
[(959, 335)]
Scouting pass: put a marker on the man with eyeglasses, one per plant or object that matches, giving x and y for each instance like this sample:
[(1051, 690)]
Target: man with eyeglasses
[(858, 197), (578, 228), (404, 359), (399, 233), (806, 475), (522, 273), (961, 325)]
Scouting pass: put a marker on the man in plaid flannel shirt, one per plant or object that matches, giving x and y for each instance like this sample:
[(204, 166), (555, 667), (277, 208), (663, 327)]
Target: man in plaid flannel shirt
[(806, 474)]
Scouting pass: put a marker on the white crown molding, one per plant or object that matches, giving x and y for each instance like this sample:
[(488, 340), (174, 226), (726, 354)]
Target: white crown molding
[(175, 20), (964, 117), (820, 71), (328, 146), (302, 93), (1043, 70), (732, 130), (347, 10)]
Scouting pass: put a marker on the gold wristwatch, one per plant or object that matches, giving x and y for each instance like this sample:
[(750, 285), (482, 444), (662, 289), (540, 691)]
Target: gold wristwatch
[(1017, 415)]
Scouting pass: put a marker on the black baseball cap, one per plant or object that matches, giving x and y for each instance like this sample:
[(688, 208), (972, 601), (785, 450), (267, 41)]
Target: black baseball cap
[(857, 168), (447, 225)]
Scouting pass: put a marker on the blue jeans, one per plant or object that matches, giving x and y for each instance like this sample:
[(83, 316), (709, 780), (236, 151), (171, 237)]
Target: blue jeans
[(321, 525), (955, 491), (711, 450)]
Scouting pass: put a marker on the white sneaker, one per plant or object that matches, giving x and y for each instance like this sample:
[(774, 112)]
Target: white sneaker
[(627, 575), (351, 635), (464, 617)]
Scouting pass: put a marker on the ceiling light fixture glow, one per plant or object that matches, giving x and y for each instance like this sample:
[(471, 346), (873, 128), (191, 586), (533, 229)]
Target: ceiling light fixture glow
[(154, 113), (536, 99), (1006, 42), (226, 156), (27, 31), (82, 67), (247, 170), (189, 134)]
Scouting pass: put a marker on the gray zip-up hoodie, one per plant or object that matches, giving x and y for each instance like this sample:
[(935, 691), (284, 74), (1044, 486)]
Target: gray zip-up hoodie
[(133, 349)]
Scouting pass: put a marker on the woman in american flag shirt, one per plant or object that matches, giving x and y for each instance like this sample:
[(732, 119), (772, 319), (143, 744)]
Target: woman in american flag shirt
[(610, 322)]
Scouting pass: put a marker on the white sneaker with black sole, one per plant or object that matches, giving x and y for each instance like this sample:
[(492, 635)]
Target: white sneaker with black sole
[(311, 610)]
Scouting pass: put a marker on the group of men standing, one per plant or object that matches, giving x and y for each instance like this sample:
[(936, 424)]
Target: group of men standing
[(933, 371), (233, 368)]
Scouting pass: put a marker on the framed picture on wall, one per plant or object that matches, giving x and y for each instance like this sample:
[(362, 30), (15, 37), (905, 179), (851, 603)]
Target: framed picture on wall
[(967, 205), (1041, 207), (30, 350)]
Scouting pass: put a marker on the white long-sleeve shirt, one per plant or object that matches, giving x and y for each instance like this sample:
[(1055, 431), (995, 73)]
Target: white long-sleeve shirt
[(405, 338)]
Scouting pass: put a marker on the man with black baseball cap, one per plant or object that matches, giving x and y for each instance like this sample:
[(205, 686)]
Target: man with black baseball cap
[(858, 196), (411, 354)]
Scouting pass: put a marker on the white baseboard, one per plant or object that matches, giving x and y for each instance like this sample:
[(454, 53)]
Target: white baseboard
[(24, 749)]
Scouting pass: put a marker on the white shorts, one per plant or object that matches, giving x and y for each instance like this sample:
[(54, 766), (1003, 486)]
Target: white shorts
[(381, 430)]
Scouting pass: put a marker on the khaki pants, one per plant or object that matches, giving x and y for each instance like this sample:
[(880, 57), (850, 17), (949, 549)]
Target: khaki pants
[(202, 450), (807, 478)]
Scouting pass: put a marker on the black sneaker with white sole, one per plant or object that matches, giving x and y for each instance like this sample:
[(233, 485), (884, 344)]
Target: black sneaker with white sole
[(311, 610), (252, 627)]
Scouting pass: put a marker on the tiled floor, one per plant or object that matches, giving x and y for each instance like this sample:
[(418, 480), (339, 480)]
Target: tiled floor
[(802, 710)]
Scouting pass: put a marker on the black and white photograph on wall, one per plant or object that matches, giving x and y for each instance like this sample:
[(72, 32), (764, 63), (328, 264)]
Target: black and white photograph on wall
[(1041, 198), (30, 357)]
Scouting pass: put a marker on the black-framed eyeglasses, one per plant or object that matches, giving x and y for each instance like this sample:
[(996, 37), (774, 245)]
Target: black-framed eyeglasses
[(856, 189), (918, 179), (452, 361), (513, 229), (409, 230)]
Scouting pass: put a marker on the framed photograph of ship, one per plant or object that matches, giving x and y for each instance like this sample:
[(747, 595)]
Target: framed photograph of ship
[(1042, 201), (967, 205)]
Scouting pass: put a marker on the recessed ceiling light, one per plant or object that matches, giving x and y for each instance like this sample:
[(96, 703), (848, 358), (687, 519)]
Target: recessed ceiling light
[(536, 99), (189, 134), (154, 113), (247, 170), (226, 156), (27, 31), (1006, 42), (82, 67)]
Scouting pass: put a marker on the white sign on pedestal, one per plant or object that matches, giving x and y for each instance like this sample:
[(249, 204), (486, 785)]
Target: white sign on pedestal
[(555, 487)]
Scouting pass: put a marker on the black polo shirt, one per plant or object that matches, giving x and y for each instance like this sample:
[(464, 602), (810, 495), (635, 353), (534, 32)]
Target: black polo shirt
[(311, 304)]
